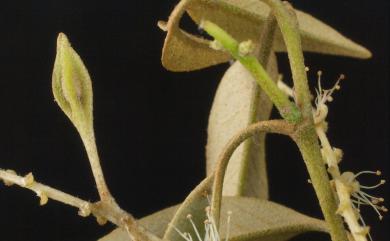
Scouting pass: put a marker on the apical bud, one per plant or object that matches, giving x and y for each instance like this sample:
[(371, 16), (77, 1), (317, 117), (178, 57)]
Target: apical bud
[(72, 87)]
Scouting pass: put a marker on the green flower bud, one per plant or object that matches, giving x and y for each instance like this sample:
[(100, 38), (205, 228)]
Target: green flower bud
[(72, 87)]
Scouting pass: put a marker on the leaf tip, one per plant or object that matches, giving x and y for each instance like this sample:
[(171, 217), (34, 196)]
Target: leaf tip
[(162, 25), (365, 53)]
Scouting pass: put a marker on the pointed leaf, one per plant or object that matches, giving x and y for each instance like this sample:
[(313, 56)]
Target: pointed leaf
[(238, 103), (243, 19), (183, 51), (195, 203), (252, 219)]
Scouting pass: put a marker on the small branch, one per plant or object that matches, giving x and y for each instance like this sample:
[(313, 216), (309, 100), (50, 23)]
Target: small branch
[(41, 190), (241, 52), (88, 138), (263, 53), (271, 126), (101, 210)]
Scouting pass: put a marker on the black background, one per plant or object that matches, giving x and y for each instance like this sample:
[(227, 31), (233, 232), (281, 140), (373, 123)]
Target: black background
[(151, 123)]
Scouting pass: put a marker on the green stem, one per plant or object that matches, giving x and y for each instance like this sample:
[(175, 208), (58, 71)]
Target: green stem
[(94, 160), (271, 126), (287, 109), (87, 134), (263, 53), (288, 25), (306, 137)]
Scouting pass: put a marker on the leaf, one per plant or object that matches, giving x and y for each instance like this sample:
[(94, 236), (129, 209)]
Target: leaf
[(195, 203), (252, 219), (238, 103), (182, 50), (243, 19)]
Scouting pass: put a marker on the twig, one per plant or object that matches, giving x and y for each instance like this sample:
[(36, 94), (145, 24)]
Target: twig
[(263, 52), (271, 126), (101, 210)]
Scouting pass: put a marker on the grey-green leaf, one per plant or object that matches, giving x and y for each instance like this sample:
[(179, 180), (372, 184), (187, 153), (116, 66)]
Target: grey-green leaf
[(252, 219), (183, 51), (243, 19), (195, 203), (238, 103)]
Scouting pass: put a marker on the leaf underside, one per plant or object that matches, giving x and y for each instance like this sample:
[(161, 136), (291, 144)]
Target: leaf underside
[(239, 102), (243, 19), (252, 219)]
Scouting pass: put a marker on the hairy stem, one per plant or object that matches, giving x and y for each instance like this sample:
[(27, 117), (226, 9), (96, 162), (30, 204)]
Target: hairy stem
[(288, 25), (271, 126), (88, 138), (263, 53), (287, 109), (101, 210), (306, 138)]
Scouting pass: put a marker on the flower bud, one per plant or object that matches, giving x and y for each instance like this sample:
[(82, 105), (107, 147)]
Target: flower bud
[(72, 87)]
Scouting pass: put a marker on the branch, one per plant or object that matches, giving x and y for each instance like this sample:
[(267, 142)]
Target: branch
[(88, 138), (263, 53), (271, 126), (103, 211)]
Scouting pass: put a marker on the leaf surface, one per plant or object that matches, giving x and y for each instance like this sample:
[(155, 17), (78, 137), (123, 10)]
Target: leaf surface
[(252, 219), (243, 19), (239, 102)]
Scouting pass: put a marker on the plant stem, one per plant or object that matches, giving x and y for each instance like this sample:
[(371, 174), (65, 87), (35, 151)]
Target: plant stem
[(287, 109), (263, 53), (306, 137), (112, 213), (288, 25), (271, 126), (88, 138)]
